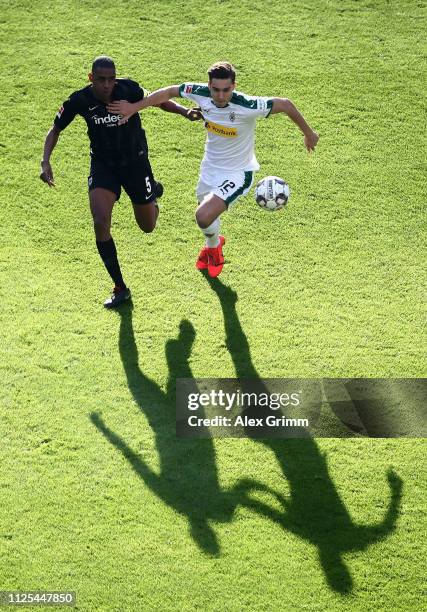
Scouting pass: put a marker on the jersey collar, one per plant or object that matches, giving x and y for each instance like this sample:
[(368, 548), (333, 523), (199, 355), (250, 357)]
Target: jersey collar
[(219, 107)]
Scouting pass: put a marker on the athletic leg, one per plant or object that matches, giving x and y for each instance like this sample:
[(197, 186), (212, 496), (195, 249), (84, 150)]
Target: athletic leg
[(142, 189), (146, 215), (101, 206), (216, 193), (207, 217)]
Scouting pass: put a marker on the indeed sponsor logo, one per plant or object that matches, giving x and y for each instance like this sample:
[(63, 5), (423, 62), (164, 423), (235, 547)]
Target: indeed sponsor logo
[(107, 119)]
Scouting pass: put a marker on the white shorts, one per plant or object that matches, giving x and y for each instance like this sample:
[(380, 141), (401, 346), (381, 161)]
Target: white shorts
[(228, 186)]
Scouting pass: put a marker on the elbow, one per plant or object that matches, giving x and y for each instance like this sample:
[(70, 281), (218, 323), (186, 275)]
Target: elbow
[(286, 105)]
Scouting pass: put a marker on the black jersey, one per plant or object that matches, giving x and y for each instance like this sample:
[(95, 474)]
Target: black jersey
[(109, 141)]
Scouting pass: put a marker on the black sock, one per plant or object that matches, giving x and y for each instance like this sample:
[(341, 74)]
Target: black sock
[(108, 253)]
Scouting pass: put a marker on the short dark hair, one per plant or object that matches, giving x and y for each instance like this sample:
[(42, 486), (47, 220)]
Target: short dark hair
[(103, 61), (222, 70)]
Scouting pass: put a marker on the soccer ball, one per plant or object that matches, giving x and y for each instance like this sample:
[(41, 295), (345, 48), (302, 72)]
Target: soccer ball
[(272, 193)]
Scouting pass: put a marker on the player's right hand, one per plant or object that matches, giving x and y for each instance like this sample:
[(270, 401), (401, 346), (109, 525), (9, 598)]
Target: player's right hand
[(194, 114), (122, 107), (46, 173)]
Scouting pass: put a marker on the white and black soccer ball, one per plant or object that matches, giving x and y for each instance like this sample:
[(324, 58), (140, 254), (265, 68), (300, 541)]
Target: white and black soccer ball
[(272, 193)]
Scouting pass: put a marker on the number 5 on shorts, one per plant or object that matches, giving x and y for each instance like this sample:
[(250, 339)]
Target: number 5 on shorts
[(148, 184)]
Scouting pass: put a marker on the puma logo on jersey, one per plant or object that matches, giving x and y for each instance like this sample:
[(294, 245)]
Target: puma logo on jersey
[(221, 130)]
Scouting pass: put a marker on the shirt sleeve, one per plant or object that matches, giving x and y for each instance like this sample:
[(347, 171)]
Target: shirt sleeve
[(136, 92), (264, 107), (185, 89), (254, 106), (66, 113), (193, 91)]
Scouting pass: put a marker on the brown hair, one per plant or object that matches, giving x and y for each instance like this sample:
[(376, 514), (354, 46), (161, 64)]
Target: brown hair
[(222, 70)]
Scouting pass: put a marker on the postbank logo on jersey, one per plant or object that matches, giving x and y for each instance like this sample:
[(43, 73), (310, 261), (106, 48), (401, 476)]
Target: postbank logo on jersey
[(221, 130)]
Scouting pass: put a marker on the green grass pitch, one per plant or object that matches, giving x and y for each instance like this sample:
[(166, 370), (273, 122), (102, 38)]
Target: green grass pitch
[(97, 494)]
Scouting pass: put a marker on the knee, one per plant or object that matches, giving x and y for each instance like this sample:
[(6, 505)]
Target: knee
[(202, 218), (147, 225), (146, 217), (101, 224), (147, 228)]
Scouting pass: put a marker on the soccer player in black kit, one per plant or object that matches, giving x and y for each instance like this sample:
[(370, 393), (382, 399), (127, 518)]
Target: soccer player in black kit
[(119, 158)]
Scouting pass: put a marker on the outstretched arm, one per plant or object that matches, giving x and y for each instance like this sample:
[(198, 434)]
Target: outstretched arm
[(192, 114), (46, 173), (158, 97), (283, 105)]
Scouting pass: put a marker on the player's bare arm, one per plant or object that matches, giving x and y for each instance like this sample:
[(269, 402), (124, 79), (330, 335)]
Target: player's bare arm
[(127, 109), (156, 98), (283, 105), (46, 173), (192, 114)]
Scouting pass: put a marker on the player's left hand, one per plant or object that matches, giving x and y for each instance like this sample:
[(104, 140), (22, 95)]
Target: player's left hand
[(46, 173), (122, 107), (194, 114), (311, 140)]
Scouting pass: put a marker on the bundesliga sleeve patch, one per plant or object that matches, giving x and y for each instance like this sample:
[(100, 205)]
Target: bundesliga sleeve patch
[(262, 104), (188, 89), (60, 111)]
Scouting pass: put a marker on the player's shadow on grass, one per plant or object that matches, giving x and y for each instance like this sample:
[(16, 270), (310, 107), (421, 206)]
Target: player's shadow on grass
[(379, 408), (314, 510), (187, 479)]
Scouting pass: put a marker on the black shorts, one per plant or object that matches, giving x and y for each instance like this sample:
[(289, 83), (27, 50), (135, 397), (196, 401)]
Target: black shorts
[(136, 178)]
